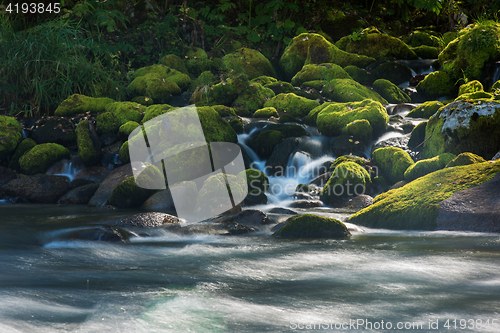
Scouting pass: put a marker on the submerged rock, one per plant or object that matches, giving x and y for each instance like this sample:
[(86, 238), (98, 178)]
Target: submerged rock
[(312, 226), (101, 233), (306, 204), (148, 220)]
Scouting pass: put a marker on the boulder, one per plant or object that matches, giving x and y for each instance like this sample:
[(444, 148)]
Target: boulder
[(81, 104), (155, 110), (103, 193), (196, 61), (21, 149), (38, 188), (393, 71), (348, 179), (252, 62), (306, 204), (417, 136), (465, 159), (264, 143), (6, 175), (79, 195), (436, 84), (325, 72), (175, 62), (148, 220), (127, 128), (278, 160), (209, 199), (425, 110), (393, 162), (256, 180), (426, 52), (360, 75), (266, 113), (423, 167), (416, 205), (359, 202), (248, 217), (254, 97), (312, 226), (124, 112), (54, 130), (154, 86), (390, 92), (292, 104), (39, 158), (11, 133), (89, 145), (347, 90)]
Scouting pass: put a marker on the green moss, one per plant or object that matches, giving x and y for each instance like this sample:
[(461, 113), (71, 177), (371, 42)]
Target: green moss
[(39, 158), (264, 143), (419, 38), (214, 127), (280, 87), (360, 75), (475, 95), (426, 52), (106, 123), (470, 87), (10, 134), (124, 153), (359, 129), (290, 130), (154, 86), (209, 198), (174, 62), (256, 180), (127, 128), (417, 135), (254, 97), (156, 110), (78, 104), (311, 117), (266, 113), (251, 62), (348, 179), (224, 111), (319, 54), (292, 104), (415, 205), (325, 72), (425, 110), (237, 125), (143, 100), (312, 226), (393, 162), (348, 158), (162, 71), (465, 159), (126, 111), (205, 79), (436, 84), (332, 120), (316, 84), (23, 147), (390, 92), (222, 93), (346, 90), (424, 167), (196, 61), (263, 80), (86, 149)]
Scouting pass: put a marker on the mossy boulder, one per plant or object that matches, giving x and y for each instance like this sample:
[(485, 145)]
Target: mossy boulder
[(475, 95), (347, 90), (360, 75), (89, 147), (196, 61), (161, 70), (349, 158), (311, 117), (211, 201), (415, 205), (419, 38), (359, 129), (126, 111), (417, 136), (280, 87), (154, 86), (425, 110), (224, 111), (325, 72), (205, 79), (465, 159), (475, 46), (156, 110), (292, 104), (222, 93), (332, 120), (127, 128), (319, 54), (256, 180), (175, 62), (264, 143), (21, 149), (251, 62), (426, 52), (264, 80), (237, 125), (470, 87), (39, 158), (393, 71), (11, 133), (348, 179), (77, 104), (380, 46), (393, 162), (107, 124), (254, 97), (423, 167), (436, 84), (312, 226), (143, 100), (464, 126), (214, 127), (390, 92), (266, 113), (124, 153)]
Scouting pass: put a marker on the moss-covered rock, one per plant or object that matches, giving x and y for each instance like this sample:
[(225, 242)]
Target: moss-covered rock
[(196, 61), (107, 124), (156, 110), (325, 72), (347, 180), (417, 136), (10, 134), (380, 46), (349, 158), (332, 120), (89, 147), (237, 125), (222, 93), (360, 75), (359, 129), (214, 127), (224, 111), (423, 167), (254, 97), (256, 180), (390, 92), (464, 126), (475, 46), (21, 149), (415, 205), (319, 54), (393, 71), (124, 153), (419, 38), (174, 62), (39, 158), (126, 111), (426, 52), (425, 110), (209, 199), (251, 62), (205, 79), (263, 80), (263, 143), (280, 87), (266, 113), (436, 84), (292, 104), (312, 226), (470, 87), (347, 90), (393, 162), (143, 100), (475, 95), (127, 128), (465, 159), (153, 85), (77, 104)]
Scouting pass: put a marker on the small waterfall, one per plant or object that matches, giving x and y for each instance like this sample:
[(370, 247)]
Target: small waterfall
[(65, 168), (257, 163), (383, 137)]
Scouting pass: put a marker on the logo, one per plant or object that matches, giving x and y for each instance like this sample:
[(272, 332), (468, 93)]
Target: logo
[(201, 176)]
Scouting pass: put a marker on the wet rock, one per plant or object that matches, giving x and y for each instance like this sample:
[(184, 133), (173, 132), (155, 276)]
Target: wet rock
[(54, 130), (399, 142), (281, 210), (321, 179), (161, 201), (220, 229), (344, 145), (306, 204), (474, 209), (277, 162), (103, 193), (249, 217), (148, 220), (101, 233), (79, 195), (400, 124), (360, 201), (38, 188), (95, 174), (415, 80)]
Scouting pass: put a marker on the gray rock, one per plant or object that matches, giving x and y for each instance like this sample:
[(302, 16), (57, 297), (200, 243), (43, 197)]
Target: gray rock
[(39, 188), (306, 204), (359, 202), (280, 210), (103, 193), (161, 201), (80, 195), (474, 209), (249, 217), (148, 220), (399, 142)]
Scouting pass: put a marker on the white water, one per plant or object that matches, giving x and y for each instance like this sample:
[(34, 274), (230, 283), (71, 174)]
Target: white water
[(66, 168)]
